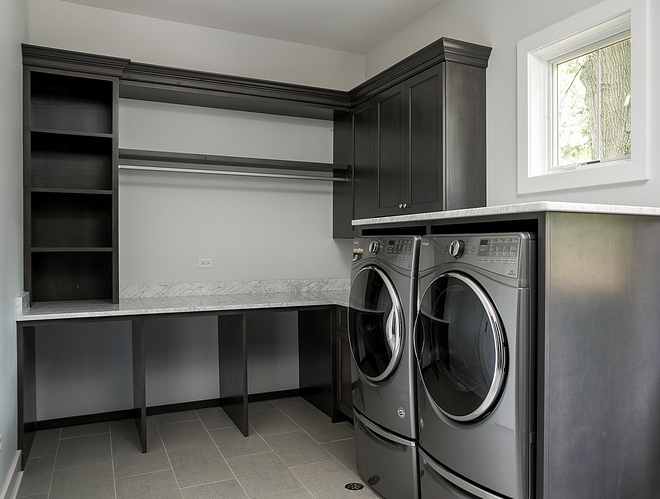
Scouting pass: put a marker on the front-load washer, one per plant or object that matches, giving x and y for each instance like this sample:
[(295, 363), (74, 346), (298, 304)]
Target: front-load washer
[(381, 313), (474, 350)]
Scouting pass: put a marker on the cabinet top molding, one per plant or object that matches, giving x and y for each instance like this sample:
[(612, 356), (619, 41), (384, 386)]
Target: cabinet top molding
[(47, 57), (198, 88), (442, 50)]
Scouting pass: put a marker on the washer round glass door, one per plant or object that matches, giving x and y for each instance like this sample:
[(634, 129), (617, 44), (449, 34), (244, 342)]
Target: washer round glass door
[(375, 324), (461, 348)]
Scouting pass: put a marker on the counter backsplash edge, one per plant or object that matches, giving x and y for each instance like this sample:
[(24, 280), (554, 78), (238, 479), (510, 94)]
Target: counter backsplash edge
[(133, 291)]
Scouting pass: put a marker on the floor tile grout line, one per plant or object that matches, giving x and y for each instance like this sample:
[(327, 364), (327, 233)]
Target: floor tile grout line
[(168, 457), (273, 450), (52, 475), (223, 456), (112, 461)]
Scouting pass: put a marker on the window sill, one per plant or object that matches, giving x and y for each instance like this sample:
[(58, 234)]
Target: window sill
[(617, 172)]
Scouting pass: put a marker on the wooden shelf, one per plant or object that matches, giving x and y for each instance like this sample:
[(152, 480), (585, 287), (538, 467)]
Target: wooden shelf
[(71, 220), (72, 275), (71, 103), (101, 192), (74, 133), (198, 88), (71, 161), (72, 250), (138, 157)]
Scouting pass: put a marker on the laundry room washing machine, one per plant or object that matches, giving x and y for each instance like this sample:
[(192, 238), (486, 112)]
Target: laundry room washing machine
[(381, 314), (474, 347)]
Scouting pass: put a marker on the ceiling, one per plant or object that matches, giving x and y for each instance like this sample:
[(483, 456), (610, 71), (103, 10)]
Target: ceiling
[(355, 26)]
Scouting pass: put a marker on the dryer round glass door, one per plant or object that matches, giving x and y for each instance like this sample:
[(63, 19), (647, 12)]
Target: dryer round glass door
[(460, 347), (375, 324)]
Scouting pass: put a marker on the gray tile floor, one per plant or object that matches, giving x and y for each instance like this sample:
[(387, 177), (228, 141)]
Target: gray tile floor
[(293, 452)]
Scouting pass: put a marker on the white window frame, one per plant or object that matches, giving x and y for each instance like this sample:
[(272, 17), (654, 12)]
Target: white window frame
[(534, 86)]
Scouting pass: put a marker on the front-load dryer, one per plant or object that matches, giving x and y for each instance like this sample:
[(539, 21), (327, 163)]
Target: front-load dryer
[(381, 313), (474, 350)]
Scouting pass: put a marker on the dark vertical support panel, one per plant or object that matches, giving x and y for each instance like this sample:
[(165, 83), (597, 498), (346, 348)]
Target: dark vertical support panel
[(27, 389), (601, 375), (139, 381), (465, 136), (27, 185), (232, 359), (115, 190), (315, 358)]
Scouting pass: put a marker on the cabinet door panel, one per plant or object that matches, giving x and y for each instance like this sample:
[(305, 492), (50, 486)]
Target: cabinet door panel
[(426, 165), (391, 165)]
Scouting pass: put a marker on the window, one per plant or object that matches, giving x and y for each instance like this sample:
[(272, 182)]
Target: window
[(578, 124), (591, 106)]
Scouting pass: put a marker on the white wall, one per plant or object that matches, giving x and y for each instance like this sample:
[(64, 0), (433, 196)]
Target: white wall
[(500, 25), (13, 31), (253, 229), (75, 27)]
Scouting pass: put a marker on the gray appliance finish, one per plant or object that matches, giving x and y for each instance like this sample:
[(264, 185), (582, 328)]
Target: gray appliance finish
[(474, 349), (380, 323)]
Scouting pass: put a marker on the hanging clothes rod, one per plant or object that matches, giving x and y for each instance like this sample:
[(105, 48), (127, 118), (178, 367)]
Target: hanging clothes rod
[(232, 173)]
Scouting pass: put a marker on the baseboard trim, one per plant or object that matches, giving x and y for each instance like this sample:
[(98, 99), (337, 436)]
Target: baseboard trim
[(156, 409), (13, 480)]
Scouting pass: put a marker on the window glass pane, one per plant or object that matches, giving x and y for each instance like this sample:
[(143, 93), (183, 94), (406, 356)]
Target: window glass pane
[(615, 100), (593, 105), (573, 122)]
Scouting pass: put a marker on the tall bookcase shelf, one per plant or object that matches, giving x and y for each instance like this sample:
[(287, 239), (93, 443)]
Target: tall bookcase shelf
[(70, 177)]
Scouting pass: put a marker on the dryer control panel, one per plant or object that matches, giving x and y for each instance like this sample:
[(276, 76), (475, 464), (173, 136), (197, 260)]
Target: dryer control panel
[(498, 253)]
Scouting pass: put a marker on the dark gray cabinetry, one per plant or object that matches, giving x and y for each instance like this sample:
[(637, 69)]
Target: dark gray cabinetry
[(70, 177), (418, 135)]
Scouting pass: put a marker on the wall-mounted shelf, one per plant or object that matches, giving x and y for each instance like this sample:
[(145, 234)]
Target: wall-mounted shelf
[(230, 165), (197, 88)]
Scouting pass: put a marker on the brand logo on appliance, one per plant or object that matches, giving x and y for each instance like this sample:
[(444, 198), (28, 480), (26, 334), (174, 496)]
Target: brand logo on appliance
[(401, 412)]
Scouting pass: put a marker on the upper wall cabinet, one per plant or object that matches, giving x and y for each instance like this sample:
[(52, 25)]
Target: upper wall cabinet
[(70, 176), (416, 136)]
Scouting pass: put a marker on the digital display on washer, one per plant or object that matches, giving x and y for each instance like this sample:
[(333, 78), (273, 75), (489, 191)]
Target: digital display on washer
[(399, 246), (499, 247)]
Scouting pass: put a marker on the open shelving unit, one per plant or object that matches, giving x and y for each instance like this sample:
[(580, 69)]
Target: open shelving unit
[(70, 183)]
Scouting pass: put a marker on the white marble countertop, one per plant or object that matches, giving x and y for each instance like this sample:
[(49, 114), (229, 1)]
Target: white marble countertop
[(542, 206), (291, 295), (182, 304)]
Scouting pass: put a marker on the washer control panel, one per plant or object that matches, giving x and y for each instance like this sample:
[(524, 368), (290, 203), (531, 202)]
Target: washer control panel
[(398, 250)]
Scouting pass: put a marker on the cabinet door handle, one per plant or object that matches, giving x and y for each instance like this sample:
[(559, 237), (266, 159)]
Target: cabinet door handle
[(403, 205)]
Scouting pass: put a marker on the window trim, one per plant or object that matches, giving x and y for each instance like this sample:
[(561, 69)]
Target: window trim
[(534, 86)]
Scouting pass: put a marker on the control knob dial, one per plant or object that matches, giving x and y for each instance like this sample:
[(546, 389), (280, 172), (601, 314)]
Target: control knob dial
[(374, 246), (456, 248)]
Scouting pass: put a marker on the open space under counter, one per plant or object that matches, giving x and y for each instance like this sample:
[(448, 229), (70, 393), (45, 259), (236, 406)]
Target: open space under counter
[(317, 318)]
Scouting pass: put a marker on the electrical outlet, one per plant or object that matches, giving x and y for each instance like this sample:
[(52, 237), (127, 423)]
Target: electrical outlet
[(204, 263)]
